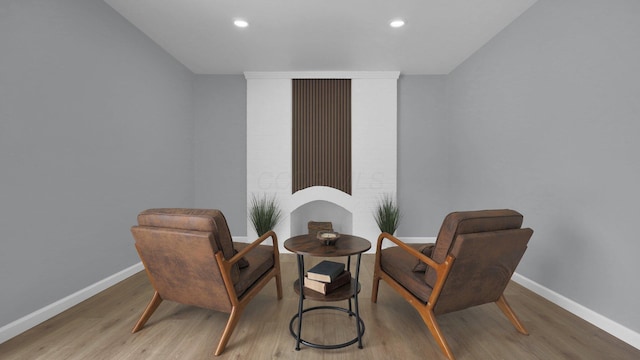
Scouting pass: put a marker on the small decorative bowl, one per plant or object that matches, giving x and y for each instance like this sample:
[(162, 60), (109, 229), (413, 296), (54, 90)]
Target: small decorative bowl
[(328, 237)]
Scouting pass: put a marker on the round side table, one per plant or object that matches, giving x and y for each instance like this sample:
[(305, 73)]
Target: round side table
[(347, 245)]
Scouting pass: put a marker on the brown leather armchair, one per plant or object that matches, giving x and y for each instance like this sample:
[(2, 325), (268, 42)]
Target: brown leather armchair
[(191, 259), (470, 264)]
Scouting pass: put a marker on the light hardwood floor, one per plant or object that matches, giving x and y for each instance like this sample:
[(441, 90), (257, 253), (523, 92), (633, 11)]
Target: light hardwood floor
[(99, 328)]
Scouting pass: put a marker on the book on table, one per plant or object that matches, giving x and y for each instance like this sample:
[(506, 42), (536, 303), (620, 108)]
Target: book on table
[(327, 287), (325, 271)]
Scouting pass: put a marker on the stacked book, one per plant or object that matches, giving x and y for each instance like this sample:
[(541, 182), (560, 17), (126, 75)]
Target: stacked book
[(327, 276)]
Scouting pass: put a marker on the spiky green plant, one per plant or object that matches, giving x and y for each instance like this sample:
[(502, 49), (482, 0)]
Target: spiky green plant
[(387, 214), (264, 213)]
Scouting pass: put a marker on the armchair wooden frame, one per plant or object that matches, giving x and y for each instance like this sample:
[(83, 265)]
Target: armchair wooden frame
[(238, 304), (426, 310)]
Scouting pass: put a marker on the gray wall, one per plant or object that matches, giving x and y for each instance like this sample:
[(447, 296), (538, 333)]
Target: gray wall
[(545, 119), (423, 158), (95, 125), (220, 109)]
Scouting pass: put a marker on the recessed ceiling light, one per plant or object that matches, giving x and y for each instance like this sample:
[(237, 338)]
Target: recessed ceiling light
[(396, 23), (240, 23)]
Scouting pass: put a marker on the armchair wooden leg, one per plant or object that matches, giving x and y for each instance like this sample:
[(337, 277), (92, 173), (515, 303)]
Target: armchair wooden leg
[(374, 288), (508, 311), (151, 307), (430, 319), (279, 285), (228, 330)]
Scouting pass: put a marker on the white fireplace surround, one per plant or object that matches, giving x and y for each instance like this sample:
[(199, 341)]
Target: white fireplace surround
[(373, 143)]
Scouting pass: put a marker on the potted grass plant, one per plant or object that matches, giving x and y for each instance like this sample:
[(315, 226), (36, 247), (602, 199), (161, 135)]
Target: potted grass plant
[(387, 214), (264, 213)]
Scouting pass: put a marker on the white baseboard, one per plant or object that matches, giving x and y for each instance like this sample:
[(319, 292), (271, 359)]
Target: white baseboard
[(621, 332), (407, 240), (417, 240), (27, 322)]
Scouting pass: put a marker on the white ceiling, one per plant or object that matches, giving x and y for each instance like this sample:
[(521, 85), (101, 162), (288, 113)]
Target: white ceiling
[(321, 35)]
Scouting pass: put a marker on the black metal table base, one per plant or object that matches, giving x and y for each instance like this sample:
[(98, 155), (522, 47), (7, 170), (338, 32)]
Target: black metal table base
[(349, 245), (334, 346)]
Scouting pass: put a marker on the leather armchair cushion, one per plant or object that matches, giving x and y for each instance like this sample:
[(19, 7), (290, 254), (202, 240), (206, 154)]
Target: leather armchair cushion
[(243, 262), (484, 263), (399, 264), (175, 218), (425, 249), (206, 220), (467, 222), (260, 260)]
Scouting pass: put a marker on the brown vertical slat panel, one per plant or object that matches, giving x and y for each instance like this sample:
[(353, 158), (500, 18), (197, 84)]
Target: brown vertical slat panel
[(321, 132)]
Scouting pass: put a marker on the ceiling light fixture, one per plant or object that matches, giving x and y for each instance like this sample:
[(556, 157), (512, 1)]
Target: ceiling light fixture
[(396, 23), (240, 23)]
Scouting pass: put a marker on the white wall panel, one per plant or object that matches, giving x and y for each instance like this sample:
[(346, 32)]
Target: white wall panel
[(374, 147)]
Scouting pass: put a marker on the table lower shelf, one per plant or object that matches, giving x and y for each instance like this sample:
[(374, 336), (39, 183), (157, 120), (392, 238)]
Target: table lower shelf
[(341, 293)]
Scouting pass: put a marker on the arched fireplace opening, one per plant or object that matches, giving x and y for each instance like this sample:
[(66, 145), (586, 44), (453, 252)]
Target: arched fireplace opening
[(321, 210)]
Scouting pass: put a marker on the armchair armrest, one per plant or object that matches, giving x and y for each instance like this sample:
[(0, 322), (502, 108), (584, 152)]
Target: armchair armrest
[(442, 270), (415, 253), (226, 265), (269, 234)]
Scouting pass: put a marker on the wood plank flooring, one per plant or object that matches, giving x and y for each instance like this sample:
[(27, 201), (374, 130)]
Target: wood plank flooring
[(100, 328)]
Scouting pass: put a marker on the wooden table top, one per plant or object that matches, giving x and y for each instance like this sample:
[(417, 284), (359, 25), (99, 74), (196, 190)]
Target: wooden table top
[(310, 245)]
